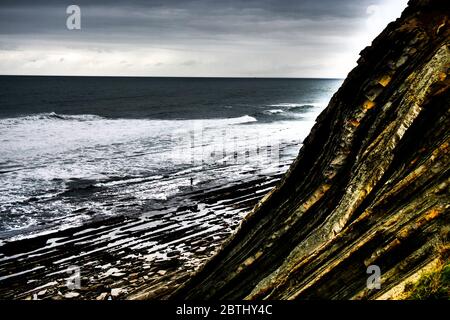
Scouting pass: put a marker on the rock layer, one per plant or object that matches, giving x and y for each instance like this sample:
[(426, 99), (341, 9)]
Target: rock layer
[(370, 185)]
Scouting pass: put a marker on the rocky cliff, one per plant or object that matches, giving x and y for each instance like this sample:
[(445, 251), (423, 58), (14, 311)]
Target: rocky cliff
[(370, 186)]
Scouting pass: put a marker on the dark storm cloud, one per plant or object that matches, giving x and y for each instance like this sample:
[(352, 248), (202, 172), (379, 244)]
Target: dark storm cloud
[(186, 17), (183, 37)]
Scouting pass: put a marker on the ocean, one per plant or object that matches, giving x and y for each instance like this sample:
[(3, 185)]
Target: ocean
[(78, 149)]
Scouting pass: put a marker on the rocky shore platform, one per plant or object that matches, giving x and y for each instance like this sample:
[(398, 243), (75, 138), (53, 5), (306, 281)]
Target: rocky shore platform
[(132, 257)]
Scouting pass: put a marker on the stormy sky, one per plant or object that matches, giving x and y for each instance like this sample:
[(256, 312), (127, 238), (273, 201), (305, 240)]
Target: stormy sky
[(226, 38)]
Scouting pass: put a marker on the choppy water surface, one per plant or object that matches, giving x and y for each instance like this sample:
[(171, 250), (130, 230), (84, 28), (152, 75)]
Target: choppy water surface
[(77, 149)]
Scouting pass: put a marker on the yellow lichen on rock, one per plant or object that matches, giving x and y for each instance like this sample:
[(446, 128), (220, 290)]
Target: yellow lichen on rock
[(367, 105), (384, 80)]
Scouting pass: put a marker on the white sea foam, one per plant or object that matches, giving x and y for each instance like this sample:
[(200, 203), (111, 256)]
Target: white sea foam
[(294, 105), (46, 154), (52, 133), (274, 111)]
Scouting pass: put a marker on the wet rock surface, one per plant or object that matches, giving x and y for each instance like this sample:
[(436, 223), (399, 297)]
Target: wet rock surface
[(131, 257)]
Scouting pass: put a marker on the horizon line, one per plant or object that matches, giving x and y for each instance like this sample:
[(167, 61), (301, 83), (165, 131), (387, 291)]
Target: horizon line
[(187, 77)]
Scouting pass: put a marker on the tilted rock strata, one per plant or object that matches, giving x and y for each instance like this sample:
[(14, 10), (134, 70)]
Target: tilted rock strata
[(370, 185)]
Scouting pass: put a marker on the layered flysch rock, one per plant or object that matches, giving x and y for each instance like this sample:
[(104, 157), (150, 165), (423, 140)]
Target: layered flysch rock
[(370, 186)]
